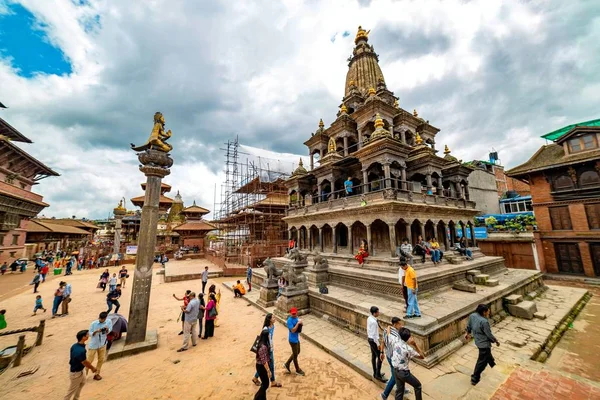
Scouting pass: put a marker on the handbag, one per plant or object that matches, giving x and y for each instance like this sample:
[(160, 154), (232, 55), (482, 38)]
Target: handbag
[(254, 347), (212, 313)]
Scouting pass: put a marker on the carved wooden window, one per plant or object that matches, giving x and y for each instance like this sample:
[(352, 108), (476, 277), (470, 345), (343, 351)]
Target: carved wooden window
[(563, 182), (593, 215), (589, 178), (560, 218), (585, 142), (568, 258), (15, 240)]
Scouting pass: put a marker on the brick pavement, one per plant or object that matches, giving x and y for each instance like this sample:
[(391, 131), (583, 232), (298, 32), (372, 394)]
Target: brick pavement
[(451, 378)]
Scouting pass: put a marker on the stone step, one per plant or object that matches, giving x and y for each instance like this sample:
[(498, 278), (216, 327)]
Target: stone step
[(539, 315), (480, 279), (465, 287), (525, 309), (513, 299), (492, 282)]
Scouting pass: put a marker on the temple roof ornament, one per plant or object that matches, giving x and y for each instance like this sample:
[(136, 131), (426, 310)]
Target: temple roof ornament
[(321, 124), (449, 156), (415, 113), (380, 131), (331, 145), (300, 170), (446, 150), (344, 109), (120, 207), (372, 92), (418, 139), (361, 34), (396, 104)]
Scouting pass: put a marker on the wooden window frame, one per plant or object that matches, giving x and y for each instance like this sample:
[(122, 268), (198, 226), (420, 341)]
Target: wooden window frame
[(581, 143), (560, 222), (589, 207)]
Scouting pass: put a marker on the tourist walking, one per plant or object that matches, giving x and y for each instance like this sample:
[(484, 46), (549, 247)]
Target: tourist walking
[(112, 282), (390, 336), (66, 299), (104, 280), (99, 330), (294, 325), (211, 315), (204, 278), (269, 326), (37, 279), (263, 365), (375, 343), (44, 271), (113, 299), (191, 312), (123, 276), (249, 277), (185, 300), (410, 280), (479, 328), (201, 313), (38, 304), (58, 297), (421, 248), (239, 290), (363, 252), (406, 349), (77, 362)]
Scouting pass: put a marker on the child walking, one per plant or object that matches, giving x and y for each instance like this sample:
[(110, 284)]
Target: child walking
[(38, 304), (112, 283)]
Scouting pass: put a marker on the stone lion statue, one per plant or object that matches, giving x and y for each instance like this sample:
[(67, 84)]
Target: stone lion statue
[(320, 262), (294, 279), (295, 255), (158, 137), (271, 269)]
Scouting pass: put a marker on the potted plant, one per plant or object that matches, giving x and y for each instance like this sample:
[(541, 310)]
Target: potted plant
[(491, 223), (500, 228)]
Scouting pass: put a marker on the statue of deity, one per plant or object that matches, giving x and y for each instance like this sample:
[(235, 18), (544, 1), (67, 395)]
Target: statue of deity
[(158, 137)]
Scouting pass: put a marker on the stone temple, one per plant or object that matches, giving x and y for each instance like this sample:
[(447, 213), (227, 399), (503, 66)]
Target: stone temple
[(375, 175)]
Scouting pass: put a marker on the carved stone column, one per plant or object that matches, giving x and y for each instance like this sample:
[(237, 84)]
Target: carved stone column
[(392, 229), (440, 187), (429, 184), (404, 184), (119, 212), (403, 136), (310, 246), (463, 231), (155, 165), (345, 146), (387, 175), (365, 181), (408, 233), (472, 229), (371, 250), (312, 162), (334, 229), (350, 242), (321, 239)]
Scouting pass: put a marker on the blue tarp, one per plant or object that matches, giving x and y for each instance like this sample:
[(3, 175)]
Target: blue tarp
[(518, 198), (480, 233)]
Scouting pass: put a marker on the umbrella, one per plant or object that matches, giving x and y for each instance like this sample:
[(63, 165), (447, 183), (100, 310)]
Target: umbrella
[(119, 324)]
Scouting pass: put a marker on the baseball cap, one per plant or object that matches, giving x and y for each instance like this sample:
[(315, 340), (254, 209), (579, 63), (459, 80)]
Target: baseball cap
[(293, 311)]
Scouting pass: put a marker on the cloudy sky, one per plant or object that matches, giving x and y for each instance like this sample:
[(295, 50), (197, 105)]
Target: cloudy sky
[(83, 79)]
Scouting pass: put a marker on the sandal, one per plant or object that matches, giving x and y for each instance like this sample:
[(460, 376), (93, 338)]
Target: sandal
[(256, 382), (275, 384)]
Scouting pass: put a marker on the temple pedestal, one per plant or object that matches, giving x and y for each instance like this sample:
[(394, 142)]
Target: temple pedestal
[(318, 273), (268, 293), (289, 299)]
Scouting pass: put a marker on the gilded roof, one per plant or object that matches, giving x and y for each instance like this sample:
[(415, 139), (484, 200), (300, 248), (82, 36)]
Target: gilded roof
[(364, 72)]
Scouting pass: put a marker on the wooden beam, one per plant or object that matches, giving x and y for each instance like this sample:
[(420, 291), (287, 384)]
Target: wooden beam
[(20, 348)]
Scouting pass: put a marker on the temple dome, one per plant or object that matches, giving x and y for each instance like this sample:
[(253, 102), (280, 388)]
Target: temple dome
[(364, 72)]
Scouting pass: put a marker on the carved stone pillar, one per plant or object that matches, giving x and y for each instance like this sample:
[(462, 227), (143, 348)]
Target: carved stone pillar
[(321, 239), (392, 229), (440, 187), (350, 243), (371, 250), (365, 181), (119, 212), (312, 161), (334, 239), (310, 246), (155, 165), (429, 184), (345, 146), (408, 232), (387, 175), (463, 231), (289, 235), (472, 231), (403, 136), (403, 184)]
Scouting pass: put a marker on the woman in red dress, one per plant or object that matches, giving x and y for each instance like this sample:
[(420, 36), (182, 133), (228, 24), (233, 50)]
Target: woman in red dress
[(363, 252)]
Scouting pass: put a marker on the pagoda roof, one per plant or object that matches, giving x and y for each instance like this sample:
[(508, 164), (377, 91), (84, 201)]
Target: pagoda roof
[(69, 222), (264, 184), (140, 200), (37, 226), (11, 133), (163, 187), (194, 209), (200, 225), (34, 168)]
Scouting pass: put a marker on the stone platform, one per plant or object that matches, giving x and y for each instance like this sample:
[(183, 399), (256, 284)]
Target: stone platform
[(120, 349), (521, 341), (184, 270)]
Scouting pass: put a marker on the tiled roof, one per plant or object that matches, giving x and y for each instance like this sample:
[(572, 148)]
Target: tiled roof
[(552, 156), (195, 226), (35, 226)]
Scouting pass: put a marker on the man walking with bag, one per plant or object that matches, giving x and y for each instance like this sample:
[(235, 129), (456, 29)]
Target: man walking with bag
[(479, 328), (99, 331)]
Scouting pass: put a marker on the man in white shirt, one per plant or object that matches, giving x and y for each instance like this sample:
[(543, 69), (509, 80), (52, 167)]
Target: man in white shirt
[(401, 356), (375, 344), (390, 337)]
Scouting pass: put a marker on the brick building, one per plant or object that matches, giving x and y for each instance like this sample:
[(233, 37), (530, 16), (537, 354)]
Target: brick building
[(504, 183), (19, 171), (565, 187)]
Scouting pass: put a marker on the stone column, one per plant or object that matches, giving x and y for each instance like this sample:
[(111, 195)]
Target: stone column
[(408, 233), (365, 181), (289, 235), (350, 243), (466, 192), (392, 229), (429, 184), (403, 137), (155, 165), (321, 239), (334, 229), (312, 161), (387, 175), (463, 231), (371, 250), (345, 146), (472, 229), (119, 212), (440, 187), (446, 244), (404, 184), (308, 231)]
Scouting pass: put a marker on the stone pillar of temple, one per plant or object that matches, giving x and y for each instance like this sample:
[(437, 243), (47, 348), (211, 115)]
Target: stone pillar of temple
[(371, 250), (387, 175), (119, 212), (321, 239), (155, 165), (365, 181), (466, 192), (472, 229), (463, 231), (403, 184), (408, 233), (345, 146), (429, 184), (310, 246), (392, 229), (350, 243), (289, 235), (446, 243), (334, 239), (360, 140), (403, 136), (440, 187), (312, 161)]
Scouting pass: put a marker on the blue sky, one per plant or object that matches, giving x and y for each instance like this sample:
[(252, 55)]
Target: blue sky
[(23, 40)]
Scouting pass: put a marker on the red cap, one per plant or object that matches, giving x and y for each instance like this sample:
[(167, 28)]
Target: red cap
[(294, 311)]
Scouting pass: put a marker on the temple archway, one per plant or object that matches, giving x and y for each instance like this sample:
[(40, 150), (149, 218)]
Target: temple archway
[(314, 238), (452, 229), (341, 233), (415, 231), (429, 230), (420, 179), (442, 236), (402, 231), (325, 190), (327, 233), (375, 176), (359, 232), (380, 237), (294, 233)]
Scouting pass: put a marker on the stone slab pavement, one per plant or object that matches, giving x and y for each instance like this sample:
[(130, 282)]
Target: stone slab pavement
[(451, 378), (194, 266)]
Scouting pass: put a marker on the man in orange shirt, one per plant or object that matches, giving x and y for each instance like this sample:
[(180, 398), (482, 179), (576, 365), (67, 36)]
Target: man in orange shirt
[(239, 290), (410, 280)]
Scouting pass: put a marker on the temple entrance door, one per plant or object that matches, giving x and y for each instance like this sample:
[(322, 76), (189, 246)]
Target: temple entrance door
[(568, 258), (595, 252)]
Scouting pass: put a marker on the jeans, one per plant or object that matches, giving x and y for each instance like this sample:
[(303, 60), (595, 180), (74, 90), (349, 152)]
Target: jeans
[(271, 366), (413, 305), (35, 286), (402, 378), (43, 277), (112, 287), (435, 255), (55, 304), (375, 358), (110, 305), (203, 286), (264, 382), (390, 384), (420, 251), (294, 356), (485, 358)]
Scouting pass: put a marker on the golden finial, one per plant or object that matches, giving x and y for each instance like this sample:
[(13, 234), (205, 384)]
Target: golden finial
[(446, 150), (300, 163), (352, 83), (361, 34), (396, 103), (120, 206), (372, 92), (331, 145), (418, 139), (343, 109), (415, 113), (321, 124), (378, 121)]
